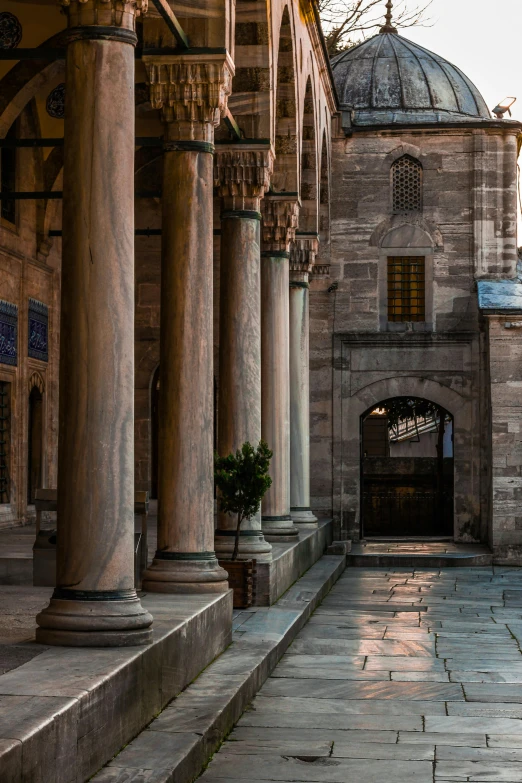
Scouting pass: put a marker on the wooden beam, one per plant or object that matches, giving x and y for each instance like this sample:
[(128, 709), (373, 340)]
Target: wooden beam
[(172, 23)]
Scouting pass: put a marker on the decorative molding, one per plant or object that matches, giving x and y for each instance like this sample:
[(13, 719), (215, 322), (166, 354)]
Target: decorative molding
[(36, 380), (55, 103), (303, 252), (38, 331), (280, 219), (10, 30), (191, 91), (320, 271), (242, 175), (8, 333), (104, 13)]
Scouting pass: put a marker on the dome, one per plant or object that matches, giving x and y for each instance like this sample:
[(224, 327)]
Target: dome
[(388, 79)]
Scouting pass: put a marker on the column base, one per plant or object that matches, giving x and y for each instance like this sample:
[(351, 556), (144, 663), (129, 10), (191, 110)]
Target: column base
[(279, 529), (304, 517), (252, 545), (185, 572), (94, 618)]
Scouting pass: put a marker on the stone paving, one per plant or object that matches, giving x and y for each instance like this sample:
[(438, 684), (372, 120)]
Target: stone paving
[(398, 676)]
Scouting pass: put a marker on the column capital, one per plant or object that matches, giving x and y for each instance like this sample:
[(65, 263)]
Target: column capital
[(104, 13), (302, 256), (191, 90), (242, 174), (280, 216), (320, 270)]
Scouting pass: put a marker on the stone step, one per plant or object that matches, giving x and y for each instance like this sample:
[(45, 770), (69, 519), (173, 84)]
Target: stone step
[(181, 740), (410, 560)]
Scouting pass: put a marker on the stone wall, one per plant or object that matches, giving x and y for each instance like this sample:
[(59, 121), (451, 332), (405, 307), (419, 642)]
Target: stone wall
[(505, 368), (468, 225)]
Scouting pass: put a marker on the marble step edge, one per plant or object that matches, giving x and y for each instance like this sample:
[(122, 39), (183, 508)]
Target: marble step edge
[(180, 742), (389, 560)]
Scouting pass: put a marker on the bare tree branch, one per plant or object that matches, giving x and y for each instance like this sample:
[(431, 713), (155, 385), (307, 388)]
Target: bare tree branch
[(348, 22)]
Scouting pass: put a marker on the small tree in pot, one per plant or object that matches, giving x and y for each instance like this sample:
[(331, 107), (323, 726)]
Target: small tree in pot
[(242, 480)]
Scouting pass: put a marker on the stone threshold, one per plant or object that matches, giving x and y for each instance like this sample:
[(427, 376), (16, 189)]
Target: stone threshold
[(68, 711), (290, 561), (177, 745)]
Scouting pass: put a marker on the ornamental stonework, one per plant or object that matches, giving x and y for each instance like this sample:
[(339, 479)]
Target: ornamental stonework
[(105, 13), (190, 94), (10, 31), (55, 103), (280, 218), (242, 175), (303, 252)]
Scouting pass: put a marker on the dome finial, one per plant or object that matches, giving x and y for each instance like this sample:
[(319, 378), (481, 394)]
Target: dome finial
[(388, 26)]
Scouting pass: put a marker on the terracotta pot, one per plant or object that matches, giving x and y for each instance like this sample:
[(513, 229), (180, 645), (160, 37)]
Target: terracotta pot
[(242, 579)]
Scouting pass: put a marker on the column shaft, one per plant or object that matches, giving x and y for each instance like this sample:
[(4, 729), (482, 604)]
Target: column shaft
[(185, 559), (300, 403), (275, 393), (95, 602), (239, 416)]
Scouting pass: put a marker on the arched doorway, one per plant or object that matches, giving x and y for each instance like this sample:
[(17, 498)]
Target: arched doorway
[(407, 469), (35, 444)]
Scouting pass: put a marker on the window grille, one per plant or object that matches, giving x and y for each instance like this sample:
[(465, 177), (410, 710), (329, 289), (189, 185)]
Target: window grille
[(5, 437), (8, 178), (406, 288), (407, 185)]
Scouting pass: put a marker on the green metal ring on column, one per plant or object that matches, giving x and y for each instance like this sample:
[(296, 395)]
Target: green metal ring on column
[(275, 254), (284, 518), (241, 532), (242, 214), (298, 284), (66, 594), (92, 32), (188, 146), (185, 556)]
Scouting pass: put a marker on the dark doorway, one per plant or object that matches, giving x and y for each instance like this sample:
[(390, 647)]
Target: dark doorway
[(407, 470), (35, 444), (154, 434)]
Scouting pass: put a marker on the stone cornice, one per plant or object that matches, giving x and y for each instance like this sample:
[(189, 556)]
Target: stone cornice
[(242, 174), (191, 91), (104, 13), (280, 217), (303, 251)]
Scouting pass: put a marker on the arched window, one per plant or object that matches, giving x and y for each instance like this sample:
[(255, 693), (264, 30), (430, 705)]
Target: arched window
[(407, 185)]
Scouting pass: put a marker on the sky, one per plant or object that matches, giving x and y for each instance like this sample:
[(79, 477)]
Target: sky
[(482, 38)]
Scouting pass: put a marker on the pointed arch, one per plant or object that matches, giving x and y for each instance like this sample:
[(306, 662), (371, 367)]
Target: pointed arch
[(285, 176), (36, 382), (308, 219)]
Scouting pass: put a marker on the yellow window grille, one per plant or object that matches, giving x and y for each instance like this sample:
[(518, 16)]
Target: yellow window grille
[(406, 288)]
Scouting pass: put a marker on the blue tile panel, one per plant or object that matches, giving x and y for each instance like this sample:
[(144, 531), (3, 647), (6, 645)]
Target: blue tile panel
[(38, 334), (8, 333)]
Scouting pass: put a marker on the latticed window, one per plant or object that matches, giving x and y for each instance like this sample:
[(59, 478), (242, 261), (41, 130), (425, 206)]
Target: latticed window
[(5, 440), (406, 288), (407, 185)]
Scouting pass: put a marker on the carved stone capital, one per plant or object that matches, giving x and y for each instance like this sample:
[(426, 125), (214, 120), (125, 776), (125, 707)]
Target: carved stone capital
[(320, 270), (104, 13), (280, 215), (191, 91), (242, 174), (303, 251)]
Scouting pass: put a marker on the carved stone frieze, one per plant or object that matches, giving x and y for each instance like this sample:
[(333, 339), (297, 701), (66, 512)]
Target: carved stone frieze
[(280, 215), (242, 174), (191, 92), (104, 13), (320, 270), (303, 251)]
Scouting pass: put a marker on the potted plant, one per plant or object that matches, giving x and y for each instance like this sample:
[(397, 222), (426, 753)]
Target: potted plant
[(242, 480)]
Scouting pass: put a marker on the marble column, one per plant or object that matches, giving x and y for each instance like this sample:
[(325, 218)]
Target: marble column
[(185, 560), (278, 229), (302, 258), (94, 602), (242, 174)]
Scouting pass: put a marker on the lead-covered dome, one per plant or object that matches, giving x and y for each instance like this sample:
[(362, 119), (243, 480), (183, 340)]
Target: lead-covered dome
[(388, 80)]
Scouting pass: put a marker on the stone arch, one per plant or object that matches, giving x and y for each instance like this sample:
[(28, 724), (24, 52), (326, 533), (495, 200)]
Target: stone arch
[(347, 489), (407, 235), (324, 203), (308, 216), (37, 381), (285, 176)]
